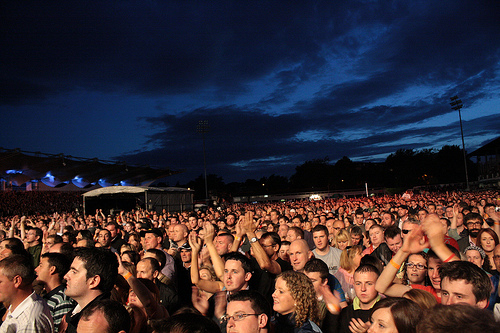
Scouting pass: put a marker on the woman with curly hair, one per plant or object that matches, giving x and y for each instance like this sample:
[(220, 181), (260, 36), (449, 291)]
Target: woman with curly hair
[(295, 303)]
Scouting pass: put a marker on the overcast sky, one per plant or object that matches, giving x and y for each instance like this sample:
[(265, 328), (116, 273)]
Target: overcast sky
[(280, 82)]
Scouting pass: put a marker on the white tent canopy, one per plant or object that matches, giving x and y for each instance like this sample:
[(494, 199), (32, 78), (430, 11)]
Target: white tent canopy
[(112, 198), (131, 189)]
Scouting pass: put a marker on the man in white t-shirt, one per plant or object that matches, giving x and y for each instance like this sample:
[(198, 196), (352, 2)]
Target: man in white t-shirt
[(329, 254)]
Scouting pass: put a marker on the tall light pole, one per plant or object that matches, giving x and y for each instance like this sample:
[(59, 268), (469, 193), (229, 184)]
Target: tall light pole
[(203, 128), (456, 104)]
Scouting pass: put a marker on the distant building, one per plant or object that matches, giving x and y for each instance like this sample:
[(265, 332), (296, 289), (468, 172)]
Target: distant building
[(488, 163)]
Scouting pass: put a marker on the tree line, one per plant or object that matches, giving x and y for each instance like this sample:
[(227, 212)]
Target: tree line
[(405, 168)]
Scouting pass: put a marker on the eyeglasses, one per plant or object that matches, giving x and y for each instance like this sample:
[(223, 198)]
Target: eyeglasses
[(237, 316), (405, 231), (474, 224), (420, 267)]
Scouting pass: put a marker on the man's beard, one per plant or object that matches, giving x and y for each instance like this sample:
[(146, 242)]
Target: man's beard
[(474, 232)]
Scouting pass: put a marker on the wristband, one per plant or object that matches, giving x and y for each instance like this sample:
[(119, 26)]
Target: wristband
[(396, 266), (237, 238), (336, 307), (451, 257), (496, 223), (127, 276)]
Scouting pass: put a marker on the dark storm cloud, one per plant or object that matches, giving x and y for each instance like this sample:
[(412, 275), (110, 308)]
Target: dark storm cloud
[(153, 47), (248, 142), (355, 58)]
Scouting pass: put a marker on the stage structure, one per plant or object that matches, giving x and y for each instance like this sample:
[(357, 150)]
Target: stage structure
[(114, 199), (22, 168)]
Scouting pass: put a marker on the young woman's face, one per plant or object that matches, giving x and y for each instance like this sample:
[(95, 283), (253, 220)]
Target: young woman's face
[(416, 275), (487, 242), (342, 245), (205, 275), (382, 321), (283, 301)]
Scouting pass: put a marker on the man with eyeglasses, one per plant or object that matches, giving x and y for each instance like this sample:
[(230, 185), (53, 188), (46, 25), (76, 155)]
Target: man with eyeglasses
[(473, 222), (247, 312)]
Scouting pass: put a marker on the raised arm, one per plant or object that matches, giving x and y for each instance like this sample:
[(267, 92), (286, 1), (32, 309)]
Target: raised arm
[(208, 238), (239, 235), (209, 286), (433, 228), (260, 255), (453, 232), (414, 242), (147, 299)]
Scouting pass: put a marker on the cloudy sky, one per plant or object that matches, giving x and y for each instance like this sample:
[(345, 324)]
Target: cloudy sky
[(279, 82)]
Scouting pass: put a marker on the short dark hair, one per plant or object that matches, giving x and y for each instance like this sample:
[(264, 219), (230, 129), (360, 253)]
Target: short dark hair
[(99, 262), (57, 239), (226, 234), (21, 265), (116, 225), (392, 232), (469, 272), (187, 322), (86, 234), (367, 268), (258, 302), (405, 312), (297, 231), (373, 261), (38, 233), (356, 230), (155, 265), (473, 216), (245, 262), (457, 318), (276, 239), (60, 261), (71, 236), (114, 312), (15, 245), (159, 255), (317, 265), (320, 227)]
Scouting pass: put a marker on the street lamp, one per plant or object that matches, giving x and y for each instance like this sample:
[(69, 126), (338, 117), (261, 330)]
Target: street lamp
[(203, 128), (456, 104)]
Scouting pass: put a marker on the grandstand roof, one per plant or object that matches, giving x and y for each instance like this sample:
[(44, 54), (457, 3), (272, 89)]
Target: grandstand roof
[(19, 167), (491, 148)]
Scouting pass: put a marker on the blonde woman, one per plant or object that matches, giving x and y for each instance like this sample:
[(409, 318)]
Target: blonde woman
[(349, 261), (342, 240), (295, 303)]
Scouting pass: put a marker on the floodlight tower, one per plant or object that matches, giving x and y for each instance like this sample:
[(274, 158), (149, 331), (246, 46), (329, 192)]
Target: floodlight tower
[(456, 104), (203, 128)]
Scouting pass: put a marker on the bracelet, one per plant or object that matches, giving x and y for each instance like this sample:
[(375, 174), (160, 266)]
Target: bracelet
[(396, 266), (496, 223), (451, 257), (237, 238), (127, 276)]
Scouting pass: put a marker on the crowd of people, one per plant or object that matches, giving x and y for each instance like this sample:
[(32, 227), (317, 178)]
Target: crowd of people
[(426, 262)]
